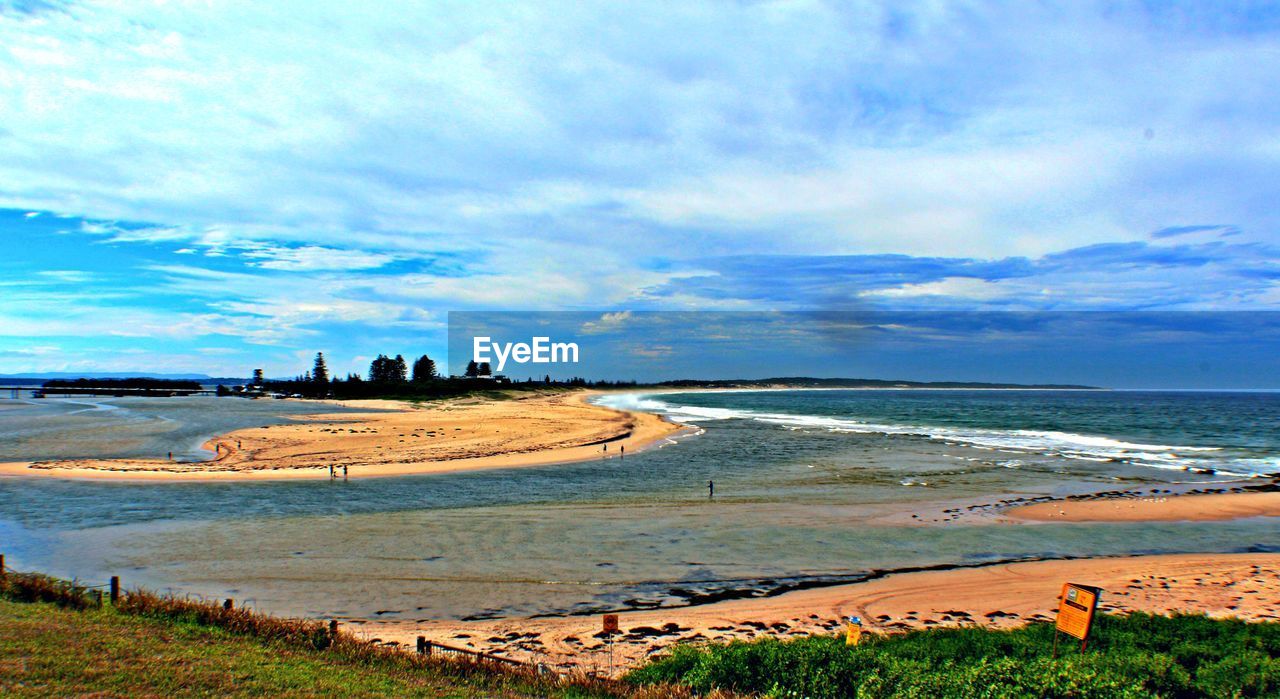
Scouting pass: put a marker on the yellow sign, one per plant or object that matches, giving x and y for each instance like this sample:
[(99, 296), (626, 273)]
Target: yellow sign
[(1076, 608), (611, 623), (852, 631)]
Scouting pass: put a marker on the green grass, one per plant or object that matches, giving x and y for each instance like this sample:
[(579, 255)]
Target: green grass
[(1138, 655), (46, 650), (55, 640)]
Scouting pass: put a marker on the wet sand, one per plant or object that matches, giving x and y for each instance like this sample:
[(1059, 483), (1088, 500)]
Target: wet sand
[(1197, 508), (441, 437), (1221, 585)]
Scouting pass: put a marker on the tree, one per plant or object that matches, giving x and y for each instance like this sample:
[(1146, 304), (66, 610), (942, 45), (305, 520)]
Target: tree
[(320, 374), (473, 369), (223, 390), (484, 369), (379, 371), (387, 370), (257, 377), (424, 369)]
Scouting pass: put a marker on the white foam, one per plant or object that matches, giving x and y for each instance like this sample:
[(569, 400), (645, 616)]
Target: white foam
[(1069, 445)]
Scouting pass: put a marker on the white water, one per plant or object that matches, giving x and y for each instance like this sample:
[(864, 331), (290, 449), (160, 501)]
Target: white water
[(1068, 445)]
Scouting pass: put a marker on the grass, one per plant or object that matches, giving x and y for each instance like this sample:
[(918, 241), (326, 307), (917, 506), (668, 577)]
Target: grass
[(50, 651), (1137, 655), (55, 640)]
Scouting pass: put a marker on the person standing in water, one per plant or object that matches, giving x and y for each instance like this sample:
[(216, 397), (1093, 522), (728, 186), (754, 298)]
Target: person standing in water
[(711, 489), (344, 472)]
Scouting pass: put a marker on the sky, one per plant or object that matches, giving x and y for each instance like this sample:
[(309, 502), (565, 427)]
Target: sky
[(215, 187)]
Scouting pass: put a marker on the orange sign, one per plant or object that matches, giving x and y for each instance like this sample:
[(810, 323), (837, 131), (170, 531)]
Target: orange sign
[(852, 634), (611, 623), (1075, 609)]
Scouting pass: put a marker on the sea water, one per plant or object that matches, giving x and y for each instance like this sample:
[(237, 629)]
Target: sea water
[(811, 487)]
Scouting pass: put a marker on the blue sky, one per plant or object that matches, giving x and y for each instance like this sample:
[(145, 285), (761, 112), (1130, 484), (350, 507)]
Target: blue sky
[(187, 186)]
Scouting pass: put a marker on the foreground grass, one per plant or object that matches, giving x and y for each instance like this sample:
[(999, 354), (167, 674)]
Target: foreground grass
[(1138, 655), (46, 650), (56, 640)]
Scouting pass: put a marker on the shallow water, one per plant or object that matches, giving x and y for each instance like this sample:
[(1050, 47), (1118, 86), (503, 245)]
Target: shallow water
[(84, 427), (797, 502)]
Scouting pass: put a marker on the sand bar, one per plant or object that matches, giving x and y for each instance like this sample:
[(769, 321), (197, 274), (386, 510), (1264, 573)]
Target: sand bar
[(447, 436), (1198, 508), (1221, 585)]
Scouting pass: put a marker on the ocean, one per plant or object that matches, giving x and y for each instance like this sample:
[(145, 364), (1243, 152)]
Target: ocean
[(811, 488)]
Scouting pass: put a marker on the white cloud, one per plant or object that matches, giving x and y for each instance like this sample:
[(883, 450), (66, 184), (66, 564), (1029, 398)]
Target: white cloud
[(607, 322), (960, 288), (311, 258), (71, 276)]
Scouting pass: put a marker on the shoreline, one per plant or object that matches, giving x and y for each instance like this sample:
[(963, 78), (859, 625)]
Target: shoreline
[(1199, 507), (1210, 501), (1001, 595), (400, 439)]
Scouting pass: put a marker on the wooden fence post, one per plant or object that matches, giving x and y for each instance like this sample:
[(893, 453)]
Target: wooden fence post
[(422, 645), (115, 589), (228, 604), (333, 629), (1, 566)]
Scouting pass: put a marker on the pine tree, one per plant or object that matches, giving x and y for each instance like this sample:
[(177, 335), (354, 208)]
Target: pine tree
[(320, 374), (473, 369), (378, 369), (424, 369), (484, 369), (400, 370)]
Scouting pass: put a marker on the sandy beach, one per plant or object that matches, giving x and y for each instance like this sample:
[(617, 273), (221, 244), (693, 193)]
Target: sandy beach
[(403, 439), (1221, 585), (1196, 508)]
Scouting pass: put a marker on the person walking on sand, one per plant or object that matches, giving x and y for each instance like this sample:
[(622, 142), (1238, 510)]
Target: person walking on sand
[(171, 456), (711, 489)]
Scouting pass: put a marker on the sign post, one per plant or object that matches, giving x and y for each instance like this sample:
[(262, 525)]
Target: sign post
[(610, 628), (1076, 607), (853, 631)]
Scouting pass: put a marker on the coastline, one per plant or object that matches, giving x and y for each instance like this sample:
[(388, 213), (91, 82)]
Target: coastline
[(403, 439), (476, 433), (1243, 585)]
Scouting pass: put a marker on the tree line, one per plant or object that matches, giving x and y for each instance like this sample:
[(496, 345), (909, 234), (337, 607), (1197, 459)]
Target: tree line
[(396, 377)]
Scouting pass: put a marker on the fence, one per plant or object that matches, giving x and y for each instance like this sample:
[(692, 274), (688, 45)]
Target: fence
[(426, 647)]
